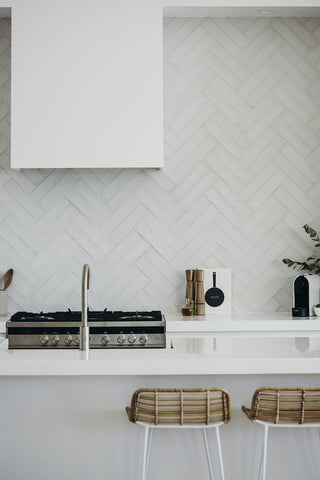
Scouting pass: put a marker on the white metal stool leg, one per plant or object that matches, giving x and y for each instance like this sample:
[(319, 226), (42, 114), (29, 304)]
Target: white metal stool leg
[(205, 438), (260, 466), (149, 447), (219, 452), (145, 452), (264, 459)]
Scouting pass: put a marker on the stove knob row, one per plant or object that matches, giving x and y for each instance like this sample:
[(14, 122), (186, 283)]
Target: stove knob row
[(131, 339), (104, 340), (44, 340)]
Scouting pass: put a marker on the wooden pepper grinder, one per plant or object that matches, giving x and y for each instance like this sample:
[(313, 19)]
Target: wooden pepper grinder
[(188, 309), (189, 286), (199, 301)]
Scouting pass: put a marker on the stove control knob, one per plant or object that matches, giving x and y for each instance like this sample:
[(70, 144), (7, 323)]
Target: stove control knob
[(55, 340), (44, 339), (76, 340), (143, 339), (104, 340), (68, 340), (121, 339), (132, 339)]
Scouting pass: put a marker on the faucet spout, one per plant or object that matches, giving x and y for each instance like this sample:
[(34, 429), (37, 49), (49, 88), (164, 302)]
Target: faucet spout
[(84, 329)]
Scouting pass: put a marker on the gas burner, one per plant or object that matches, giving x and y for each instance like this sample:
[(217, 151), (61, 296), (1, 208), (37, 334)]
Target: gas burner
[(137, 316), (43, 318)]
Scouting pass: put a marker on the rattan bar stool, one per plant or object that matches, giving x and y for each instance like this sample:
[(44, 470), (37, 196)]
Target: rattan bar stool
[(283, 407), (200, 408)]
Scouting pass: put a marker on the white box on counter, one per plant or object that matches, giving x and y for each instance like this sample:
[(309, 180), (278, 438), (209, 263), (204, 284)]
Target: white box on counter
[(217, 290)]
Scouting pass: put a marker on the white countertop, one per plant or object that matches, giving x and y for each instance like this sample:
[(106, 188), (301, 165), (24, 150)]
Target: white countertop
[(259, 323), (238, 344), (183, 356)]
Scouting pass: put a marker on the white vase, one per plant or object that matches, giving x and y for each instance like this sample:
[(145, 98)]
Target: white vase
[(3, 303)]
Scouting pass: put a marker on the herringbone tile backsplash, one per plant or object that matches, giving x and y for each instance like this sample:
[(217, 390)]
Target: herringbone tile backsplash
[(241, 176)]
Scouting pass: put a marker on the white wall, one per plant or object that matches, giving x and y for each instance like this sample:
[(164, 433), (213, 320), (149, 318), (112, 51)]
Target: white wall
[(241, 177)]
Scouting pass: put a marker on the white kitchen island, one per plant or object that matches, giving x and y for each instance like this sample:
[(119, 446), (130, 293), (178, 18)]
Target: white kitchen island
[(63, 413)]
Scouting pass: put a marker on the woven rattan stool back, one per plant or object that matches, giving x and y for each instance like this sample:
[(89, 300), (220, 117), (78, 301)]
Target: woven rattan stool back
[(180, 406), (285, 405)]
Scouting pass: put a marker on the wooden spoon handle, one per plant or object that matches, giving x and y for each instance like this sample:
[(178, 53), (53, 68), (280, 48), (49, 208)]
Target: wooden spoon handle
[(8, 276)]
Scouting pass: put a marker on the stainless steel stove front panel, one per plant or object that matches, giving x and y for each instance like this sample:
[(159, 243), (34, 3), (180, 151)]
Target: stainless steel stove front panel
[(71, 341), (45, 341)]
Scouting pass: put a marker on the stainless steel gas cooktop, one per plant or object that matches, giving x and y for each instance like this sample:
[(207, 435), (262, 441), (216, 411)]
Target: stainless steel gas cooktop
[(106, 329)]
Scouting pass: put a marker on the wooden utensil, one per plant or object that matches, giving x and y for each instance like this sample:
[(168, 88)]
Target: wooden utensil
[(8, 276)]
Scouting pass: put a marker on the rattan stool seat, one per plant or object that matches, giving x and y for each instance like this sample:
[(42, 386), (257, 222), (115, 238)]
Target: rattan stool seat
[(285, 405), (180, 406)]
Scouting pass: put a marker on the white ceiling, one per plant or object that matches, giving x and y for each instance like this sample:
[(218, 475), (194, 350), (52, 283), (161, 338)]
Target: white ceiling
[(241, 11), (232, 8)]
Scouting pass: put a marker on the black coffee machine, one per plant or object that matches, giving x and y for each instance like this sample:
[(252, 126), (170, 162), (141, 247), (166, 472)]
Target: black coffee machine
[(306, 295)]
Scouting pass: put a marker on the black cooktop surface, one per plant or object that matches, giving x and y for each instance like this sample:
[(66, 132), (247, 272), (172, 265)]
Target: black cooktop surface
[(93, 316)]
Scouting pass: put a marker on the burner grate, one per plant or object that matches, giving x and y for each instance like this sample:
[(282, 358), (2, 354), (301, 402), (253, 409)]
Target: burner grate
[(93, 316), (137, 316)]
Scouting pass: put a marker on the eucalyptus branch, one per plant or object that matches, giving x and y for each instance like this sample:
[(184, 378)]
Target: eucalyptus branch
[(312, 264), (312, 234)]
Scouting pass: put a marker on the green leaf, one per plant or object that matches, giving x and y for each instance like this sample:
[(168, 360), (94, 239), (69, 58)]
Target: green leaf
[(310, 231)]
